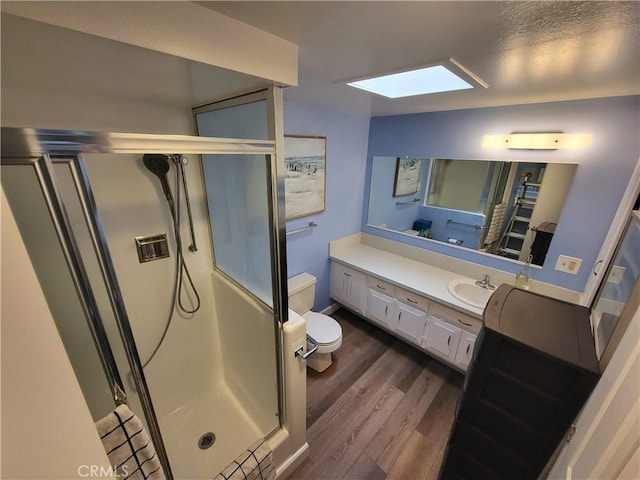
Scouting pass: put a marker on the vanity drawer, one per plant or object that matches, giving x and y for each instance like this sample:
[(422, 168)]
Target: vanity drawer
[(381, 286), (456, 318), (412, 299)]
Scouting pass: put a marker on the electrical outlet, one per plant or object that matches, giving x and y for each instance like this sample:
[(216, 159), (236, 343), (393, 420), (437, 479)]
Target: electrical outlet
[(568, 264), (615, 276)]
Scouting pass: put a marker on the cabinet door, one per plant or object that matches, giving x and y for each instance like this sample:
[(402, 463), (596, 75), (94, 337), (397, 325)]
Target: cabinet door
[(357, 291), (338, 284), (465, 350), (380, 307), (409, 322), (441, 338), (348, 286)]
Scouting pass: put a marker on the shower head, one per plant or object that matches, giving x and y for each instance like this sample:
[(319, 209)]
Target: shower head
[(158, 164)]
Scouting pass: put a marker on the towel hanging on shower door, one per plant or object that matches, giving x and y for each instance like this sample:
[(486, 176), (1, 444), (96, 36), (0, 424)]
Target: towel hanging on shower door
[(128, 446), (256, 463)]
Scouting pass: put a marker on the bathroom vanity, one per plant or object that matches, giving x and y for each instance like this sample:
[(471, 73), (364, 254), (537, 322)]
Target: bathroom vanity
[(407, 298)]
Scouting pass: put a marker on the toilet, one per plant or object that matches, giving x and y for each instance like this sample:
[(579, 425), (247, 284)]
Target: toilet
[(322, 328)]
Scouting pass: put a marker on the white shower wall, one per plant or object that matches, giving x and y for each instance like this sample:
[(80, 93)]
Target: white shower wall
[(131, 203)]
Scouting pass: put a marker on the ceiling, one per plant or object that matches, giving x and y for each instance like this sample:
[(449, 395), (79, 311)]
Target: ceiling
[(528, 52)]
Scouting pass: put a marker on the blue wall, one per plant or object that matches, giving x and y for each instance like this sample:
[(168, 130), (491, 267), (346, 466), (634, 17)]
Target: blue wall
[(602, 175), (347, 137)]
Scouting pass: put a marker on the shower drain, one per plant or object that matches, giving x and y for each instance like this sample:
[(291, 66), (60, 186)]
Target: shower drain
[(206, 440)]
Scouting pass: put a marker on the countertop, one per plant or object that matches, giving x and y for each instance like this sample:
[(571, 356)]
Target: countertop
[(420, 278)]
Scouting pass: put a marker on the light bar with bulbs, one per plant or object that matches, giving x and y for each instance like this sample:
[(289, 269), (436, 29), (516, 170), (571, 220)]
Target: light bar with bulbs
[(538, 141)]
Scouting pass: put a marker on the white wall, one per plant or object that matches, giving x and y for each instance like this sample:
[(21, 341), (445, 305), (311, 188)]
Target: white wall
[(182, 29), (47, 430)]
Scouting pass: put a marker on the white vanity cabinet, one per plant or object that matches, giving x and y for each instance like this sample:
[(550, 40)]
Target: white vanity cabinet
[(348, 286), (444, 332), (441, 338), (451, 334), (410, 322), (381, 308), (465, 350), (411, 315)]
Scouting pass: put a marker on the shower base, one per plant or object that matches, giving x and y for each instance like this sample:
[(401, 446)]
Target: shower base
[(217, 411)]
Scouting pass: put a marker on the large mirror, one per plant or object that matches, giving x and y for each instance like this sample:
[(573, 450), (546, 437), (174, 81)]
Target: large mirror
[(510, 209)]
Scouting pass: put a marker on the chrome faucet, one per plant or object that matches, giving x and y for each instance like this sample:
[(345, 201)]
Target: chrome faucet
[(486, 283)]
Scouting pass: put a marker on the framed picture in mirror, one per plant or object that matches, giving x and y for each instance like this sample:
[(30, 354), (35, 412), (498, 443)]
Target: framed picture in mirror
[(407, 180)]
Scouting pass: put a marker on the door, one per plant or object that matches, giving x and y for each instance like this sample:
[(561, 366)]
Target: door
[(465, 350), (380, 307), (551, 197), (607, 434), (441, 338), (348, 287), (410, 321)]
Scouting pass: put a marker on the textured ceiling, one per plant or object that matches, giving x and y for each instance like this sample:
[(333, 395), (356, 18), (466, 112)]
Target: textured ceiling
[(533, 51)]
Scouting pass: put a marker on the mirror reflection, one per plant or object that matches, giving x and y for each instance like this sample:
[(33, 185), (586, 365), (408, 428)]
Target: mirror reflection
[(510, 209)]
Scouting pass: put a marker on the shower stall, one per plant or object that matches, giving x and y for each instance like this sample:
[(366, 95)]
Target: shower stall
[(114, 261)]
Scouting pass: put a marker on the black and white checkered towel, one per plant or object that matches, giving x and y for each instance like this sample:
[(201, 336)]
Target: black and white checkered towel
[(128, 446), (256, 463)]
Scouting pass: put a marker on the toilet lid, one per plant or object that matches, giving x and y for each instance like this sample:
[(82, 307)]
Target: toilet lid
[(322, 328)]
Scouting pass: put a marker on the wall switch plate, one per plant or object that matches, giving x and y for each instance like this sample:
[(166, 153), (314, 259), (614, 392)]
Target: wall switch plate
[(568, 264), (616, 274)]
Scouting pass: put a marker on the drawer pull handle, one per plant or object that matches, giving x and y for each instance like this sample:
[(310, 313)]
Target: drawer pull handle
[(386, 309), (399, 315), (381, 288), (468, 347), (346, 274), (465, 323), (412, 301), (449, 341)]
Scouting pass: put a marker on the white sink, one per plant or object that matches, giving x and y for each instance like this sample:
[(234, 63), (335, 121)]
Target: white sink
[(466, 290)]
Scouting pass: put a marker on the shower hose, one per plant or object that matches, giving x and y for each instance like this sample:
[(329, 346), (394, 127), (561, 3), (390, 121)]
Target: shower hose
[(181, 270)]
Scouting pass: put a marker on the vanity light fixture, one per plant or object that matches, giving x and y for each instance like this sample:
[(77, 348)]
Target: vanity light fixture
[(538, 141), (442, 77)]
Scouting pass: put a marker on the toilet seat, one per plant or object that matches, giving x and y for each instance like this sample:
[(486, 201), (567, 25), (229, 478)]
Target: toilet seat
[(324, 330)]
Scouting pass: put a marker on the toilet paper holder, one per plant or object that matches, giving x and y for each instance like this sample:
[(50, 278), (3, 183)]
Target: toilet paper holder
[(300, 351)]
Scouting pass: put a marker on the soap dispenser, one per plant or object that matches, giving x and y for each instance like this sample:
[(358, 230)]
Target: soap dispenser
[(522, 278)]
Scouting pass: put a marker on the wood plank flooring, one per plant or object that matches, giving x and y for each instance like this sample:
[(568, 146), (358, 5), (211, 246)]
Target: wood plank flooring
[(382, 410)]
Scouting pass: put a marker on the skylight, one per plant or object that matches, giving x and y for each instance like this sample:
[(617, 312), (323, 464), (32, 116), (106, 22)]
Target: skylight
[(415, 82)]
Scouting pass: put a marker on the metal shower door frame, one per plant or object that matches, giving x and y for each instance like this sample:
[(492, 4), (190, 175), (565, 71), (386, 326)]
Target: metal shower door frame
[(41, 148), (273, 97)]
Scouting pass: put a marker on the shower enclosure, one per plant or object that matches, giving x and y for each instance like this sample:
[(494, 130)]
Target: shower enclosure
[(216, 384)]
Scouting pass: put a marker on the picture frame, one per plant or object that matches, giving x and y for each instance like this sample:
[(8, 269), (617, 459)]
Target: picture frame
[(407, 178), (305, 159)]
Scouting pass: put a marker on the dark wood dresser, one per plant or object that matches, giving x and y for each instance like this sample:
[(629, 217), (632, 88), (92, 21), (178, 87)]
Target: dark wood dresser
[(533, 368)]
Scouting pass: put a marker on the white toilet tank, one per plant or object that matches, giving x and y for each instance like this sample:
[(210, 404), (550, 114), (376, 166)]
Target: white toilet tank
[(302, 289)]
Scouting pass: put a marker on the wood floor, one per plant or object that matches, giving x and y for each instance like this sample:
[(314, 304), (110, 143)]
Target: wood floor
[(382, 410)]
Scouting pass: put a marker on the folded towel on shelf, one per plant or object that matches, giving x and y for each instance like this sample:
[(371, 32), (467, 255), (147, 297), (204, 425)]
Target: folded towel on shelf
[(256, 463), (128, 446)]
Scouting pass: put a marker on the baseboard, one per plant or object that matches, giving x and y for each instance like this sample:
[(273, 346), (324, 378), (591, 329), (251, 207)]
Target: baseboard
[(330, 309), (290, 464)]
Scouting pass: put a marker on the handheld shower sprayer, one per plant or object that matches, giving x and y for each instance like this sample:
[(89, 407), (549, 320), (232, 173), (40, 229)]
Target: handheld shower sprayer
[(158, 164)]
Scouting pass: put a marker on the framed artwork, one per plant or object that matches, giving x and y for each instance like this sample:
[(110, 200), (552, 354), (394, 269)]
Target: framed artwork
[(407, 179), (305, 179)]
